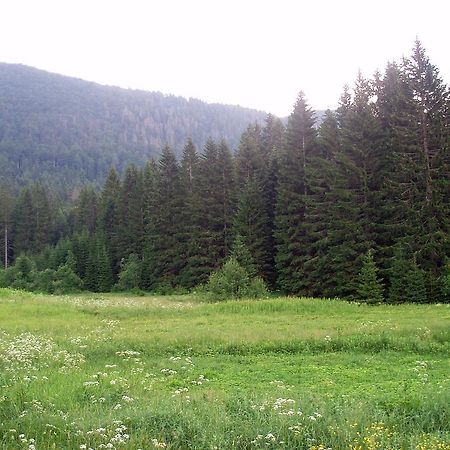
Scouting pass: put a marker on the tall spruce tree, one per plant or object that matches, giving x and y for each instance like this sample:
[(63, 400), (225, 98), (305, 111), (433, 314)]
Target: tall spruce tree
[(130, 226), (108, 219), (163, 256), (292, 190), (429, 163), (368, 285), (212, 212)]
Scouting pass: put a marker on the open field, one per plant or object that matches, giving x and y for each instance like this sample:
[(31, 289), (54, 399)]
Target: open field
[(121, 372)]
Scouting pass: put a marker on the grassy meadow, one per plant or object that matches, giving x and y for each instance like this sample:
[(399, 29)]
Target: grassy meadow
[(114, 371)]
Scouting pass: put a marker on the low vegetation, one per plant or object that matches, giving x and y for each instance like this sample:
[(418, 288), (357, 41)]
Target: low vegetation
[(122, 371)]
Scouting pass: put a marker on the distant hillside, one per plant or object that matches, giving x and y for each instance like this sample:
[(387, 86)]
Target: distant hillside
[(67, 131)]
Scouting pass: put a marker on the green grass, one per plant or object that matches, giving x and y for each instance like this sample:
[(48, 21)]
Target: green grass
[(127, 372)]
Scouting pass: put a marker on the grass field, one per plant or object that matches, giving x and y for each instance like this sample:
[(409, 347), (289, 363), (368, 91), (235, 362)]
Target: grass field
[(124, 372)]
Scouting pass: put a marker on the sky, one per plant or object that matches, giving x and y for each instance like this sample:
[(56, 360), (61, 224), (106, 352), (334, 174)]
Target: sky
[(253, 53)]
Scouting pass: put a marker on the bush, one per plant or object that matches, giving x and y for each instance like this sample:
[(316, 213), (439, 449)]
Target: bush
[(130, 274), (66, 280), (233, 281)]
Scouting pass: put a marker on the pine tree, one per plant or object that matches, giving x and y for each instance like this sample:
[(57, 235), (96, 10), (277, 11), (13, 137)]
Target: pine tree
[(43, 218), (24, 224), (105, 279), (151, 210), (368, 286), (292, 190), (163, 255), (130, 226), (251, 224), (213, 212), (430, 162), (188, 179), (320, 214), (242, 255), (86, 215), (108, 217)]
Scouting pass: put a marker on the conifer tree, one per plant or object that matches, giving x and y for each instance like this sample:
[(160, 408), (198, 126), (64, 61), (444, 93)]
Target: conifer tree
[(24, 223), (291, 193), (42, 217), (151, 209), (241, 253), (213, 211), (368, 286), (429, 164), (86, 219), (130, 227), (108, 217), (407, 282), (164, 250), (251, 225)]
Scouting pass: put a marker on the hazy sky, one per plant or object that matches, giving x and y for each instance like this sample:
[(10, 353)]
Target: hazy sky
[(252, 53)]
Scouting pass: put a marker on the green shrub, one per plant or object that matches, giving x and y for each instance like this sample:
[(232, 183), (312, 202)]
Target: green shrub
[(130, 274), (233, 281), (66, 280)]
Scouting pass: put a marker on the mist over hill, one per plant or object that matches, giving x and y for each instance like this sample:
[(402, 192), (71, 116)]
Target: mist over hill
[(67, 132)]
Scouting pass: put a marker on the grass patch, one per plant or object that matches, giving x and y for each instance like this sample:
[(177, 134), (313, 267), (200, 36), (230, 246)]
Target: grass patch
[(127, 372)]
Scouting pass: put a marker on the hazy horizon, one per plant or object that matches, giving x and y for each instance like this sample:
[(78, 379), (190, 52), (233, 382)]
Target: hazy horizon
[(254, 54)]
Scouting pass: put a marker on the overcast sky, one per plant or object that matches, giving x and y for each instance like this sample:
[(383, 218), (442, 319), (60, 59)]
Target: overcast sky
[(254, 53)]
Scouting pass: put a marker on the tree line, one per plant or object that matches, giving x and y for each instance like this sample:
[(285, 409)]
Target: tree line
[(358, 207)]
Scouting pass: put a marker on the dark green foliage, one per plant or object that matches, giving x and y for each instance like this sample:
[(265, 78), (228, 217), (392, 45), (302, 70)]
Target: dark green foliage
[(291, 198), (252, 227), (303, 204), (445, 284), (86, 211), (212, 212), (130, 214), (233, 281), (407, 282), (20, 276), (24, 224), (66, 281), (163, 255), (368, 286), (105, 278)]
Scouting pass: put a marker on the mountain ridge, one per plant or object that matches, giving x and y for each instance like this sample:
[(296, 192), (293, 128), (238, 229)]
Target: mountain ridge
[(68, 131)]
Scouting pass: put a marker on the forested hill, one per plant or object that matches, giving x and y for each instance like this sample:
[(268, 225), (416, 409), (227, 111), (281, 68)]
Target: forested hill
[(67, 131)]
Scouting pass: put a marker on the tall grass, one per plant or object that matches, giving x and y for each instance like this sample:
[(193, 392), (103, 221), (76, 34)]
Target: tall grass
[(125, 372)]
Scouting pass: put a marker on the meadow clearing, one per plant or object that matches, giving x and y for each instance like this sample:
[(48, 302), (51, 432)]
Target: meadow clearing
[(116, 371)]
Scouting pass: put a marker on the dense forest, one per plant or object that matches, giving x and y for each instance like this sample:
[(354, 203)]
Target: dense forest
[(357, 208), (66, 132)]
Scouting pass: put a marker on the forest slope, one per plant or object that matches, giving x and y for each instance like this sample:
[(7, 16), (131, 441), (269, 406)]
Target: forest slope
[(67, 131)]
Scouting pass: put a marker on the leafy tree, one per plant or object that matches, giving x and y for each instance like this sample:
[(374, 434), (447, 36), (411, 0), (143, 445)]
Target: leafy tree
[(130, 274), (232, 281)]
